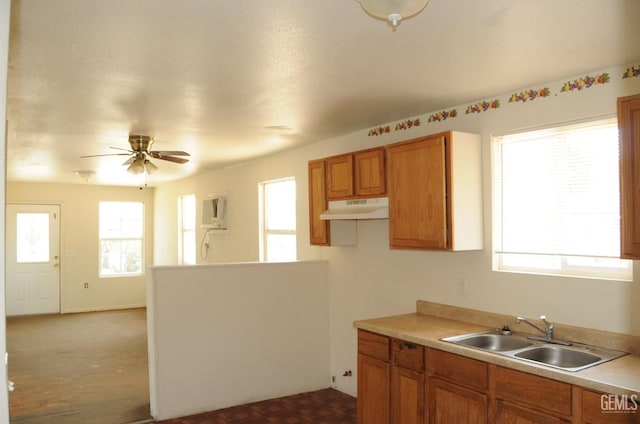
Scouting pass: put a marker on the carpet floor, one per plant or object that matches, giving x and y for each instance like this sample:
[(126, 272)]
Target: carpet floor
[(85, 368)]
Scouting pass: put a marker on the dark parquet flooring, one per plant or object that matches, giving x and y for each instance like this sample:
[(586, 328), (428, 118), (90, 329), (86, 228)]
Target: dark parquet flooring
[(321, 407)]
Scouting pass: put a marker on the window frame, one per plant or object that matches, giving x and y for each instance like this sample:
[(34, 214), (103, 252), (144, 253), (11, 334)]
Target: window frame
[(141, 240), (182, 230), (264, 232), (567, 264)]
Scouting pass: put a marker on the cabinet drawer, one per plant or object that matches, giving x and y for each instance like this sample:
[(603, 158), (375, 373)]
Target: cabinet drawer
[(373, 344), (537, 392), (408, 355), (600, 408), (458, 369)]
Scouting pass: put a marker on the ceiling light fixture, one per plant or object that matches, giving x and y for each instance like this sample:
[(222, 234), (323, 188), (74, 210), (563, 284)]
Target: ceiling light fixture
[(86, 174), (137, 166), (150, 167), (140, 164), (393, 10)]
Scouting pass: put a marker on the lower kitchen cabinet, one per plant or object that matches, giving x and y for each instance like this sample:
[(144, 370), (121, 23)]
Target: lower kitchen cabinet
[(390, 380), (450, 403), (400, 382), (534, 396), (374, 378), (373, 390), (456, 389), (407, 396), (407, 383), (601, 408), (507, 413)]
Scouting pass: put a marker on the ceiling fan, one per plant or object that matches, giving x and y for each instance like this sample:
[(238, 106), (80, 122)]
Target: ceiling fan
[(139, 161)]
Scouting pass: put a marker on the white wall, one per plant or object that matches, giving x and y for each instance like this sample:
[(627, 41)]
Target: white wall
[(227, 334), (371, 280), (79, 243), (5, 8)]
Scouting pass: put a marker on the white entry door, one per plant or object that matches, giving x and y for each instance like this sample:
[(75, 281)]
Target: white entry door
[(33, 259)]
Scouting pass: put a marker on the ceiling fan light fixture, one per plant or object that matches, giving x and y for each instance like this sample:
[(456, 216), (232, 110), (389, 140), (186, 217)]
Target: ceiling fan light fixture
[(137, 166), (393, 10), (150, 167)]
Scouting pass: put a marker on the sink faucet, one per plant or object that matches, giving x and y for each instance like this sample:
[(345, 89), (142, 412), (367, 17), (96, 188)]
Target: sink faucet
[(547, 331), (548, 327)]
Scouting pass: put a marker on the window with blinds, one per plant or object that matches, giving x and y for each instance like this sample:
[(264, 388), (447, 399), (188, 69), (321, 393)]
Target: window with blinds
[(557, 202)]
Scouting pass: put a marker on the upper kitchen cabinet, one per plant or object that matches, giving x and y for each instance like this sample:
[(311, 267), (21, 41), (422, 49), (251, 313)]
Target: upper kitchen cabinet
[(370, 178), (435, 192), (629, 129), (318, 229), (357, 174), (340, 177)]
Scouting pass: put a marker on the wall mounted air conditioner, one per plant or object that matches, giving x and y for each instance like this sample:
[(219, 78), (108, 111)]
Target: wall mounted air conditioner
[(214, 214)]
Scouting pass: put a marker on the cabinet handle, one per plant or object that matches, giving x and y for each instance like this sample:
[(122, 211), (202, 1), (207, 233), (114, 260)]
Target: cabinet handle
[(409, 346)]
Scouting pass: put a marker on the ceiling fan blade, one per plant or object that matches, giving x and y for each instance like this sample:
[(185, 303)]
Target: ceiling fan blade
[(160, 153), (120, 148), (108, 154), (172, 159)]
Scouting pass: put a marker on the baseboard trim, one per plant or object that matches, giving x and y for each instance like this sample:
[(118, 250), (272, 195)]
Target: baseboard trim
[(103, 308)]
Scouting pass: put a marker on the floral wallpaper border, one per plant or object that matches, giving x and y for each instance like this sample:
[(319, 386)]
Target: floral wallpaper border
[(405, 125), (585, 82), (379, 130), (525, 96), (483, 106), (632, 72), (442, 116), (529, 95)]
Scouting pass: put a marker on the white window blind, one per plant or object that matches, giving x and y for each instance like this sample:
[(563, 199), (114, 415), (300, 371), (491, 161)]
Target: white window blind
[(557, 201)]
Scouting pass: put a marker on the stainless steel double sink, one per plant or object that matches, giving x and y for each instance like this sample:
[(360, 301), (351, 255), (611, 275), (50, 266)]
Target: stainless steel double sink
[(574, 357)]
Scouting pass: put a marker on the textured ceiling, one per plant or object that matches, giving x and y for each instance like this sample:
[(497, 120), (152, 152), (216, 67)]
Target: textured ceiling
[(232, 80)]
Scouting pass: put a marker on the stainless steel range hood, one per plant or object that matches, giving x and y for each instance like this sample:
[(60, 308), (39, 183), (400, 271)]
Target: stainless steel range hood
[(374, 208)]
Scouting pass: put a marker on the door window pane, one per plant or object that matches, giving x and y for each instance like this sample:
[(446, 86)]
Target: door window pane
[(32, 237)]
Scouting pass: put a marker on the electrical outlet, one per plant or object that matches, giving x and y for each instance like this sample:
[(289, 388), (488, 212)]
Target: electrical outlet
[(462, 287), (86, 285)]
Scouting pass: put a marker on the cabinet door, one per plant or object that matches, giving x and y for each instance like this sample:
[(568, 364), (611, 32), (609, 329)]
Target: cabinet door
[(601, 408), (407, 396), (450, 403), (373, 390), (533, 392), (340, 177), (511, 414), (370, 179), (318, 229), (629, 129), (417, 185)]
